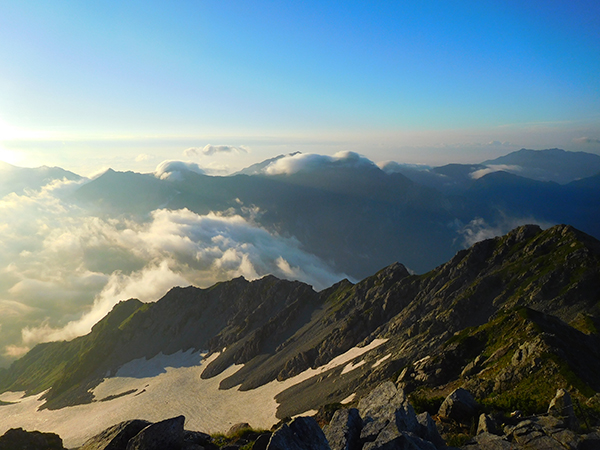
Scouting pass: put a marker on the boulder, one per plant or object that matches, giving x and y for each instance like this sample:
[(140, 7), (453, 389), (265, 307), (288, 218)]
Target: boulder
[(459, 406), (303, 433), (261, 442), (381, 402), (309, 433), (391, 438), (428, 430), (115, 437), (486, 425), (19, 439), (384, 404), (488, 441), (562, 406), (164, 435), (343, 432), (195, 439), (285, 439)]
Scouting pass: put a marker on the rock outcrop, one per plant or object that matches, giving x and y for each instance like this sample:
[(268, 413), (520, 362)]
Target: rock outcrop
[(19, 439)]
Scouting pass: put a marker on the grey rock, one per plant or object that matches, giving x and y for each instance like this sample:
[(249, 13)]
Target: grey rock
[(459, 406), (567, 438), (115, 437), (428, 430), (473, 367), (163, 435), (19, 439), (391, 438), (590, 441), (488, 441), (371, 430), (303, 433), (344, 430), (531, 435), (310, 434), (384, 404), (381, 402), (196, 438), (261, 442), (562, 406), (284, 439), (486, 425)]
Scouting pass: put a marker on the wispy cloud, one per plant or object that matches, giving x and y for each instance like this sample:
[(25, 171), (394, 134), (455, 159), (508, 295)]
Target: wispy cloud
[(478, 229), (495, 168), (586, 140), (209, 150)]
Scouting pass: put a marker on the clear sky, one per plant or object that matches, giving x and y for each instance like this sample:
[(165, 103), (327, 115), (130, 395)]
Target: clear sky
[(86, 85)]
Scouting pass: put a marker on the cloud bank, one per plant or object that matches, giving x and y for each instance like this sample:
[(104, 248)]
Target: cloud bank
[(64, 269), (174, 170), (309, 161)]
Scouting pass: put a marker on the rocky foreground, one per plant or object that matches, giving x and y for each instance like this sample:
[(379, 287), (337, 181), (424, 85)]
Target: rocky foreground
[(384, 419)]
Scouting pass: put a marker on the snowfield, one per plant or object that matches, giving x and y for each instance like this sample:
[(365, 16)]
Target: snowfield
[(156, 389)]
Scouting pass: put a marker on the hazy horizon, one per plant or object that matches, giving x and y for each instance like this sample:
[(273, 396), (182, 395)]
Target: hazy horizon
[(87, 87)]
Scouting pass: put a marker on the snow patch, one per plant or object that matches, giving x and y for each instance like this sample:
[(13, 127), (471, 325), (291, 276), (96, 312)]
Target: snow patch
[(348, 399), (350, 367), (379, 361), (177, 389)]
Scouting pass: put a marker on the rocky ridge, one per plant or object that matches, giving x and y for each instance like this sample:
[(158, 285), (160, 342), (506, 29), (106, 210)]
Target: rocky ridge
[(383, 419), (510, 319)]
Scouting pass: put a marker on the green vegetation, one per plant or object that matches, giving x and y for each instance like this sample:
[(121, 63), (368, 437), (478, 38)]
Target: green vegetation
[(421, 403), (240, 437)]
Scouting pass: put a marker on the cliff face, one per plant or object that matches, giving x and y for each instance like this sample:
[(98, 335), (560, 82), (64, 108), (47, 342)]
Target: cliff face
[(508, 309)]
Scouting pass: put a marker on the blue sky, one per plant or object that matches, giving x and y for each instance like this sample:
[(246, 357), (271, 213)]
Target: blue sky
[(87, 85)]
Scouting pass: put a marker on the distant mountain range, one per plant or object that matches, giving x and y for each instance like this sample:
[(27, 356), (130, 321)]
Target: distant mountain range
[(18, 179), (511, 318), (358, 217)]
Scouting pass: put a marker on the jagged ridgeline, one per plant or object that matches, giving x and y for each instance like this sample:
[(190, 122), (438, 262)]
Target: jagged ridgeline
[(512, 319)]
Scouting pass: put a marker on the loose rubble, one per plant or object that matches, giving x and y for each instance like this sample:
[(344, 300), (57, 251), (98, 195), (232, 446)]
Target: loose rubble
[(383, 420)]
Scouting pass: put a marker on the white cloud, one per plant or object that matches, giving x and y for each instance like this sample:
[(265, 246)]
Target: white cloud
[(209, 150), (62, 269), (174, 170), (586, 140), (478, 229), (495, 168), (309, 161), (394, 167)]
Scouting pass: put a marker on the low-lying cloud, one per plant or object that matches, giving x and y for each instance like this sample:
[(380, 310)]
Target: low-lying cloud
[(300, 162), (478, 229), (64, 269), (174, 170), (495, 168), (586, 140)]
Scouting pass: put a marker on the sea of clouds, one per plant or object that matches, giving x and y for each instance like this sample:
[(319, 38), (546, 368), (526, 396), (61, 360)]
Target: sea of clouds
[(62, 268)]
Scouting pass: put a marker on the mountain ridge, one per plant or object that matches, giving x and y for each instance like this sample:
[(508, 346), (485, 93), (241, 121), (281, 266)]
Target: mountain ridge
[(278, 329)]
